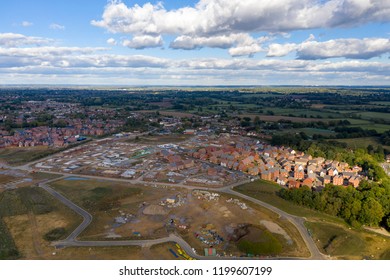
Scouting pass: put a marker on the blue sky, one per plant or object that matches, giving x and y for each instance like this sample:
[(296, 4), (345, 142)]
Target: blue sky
[(203, 42)]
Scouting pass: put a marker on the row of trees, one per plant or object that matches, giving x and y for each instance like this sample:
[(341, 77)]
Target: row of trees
[(369, 204)]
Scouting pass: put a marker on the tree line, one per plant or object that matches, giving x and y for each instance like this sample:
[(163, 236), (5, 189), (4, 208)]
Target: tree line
[(369, 204)]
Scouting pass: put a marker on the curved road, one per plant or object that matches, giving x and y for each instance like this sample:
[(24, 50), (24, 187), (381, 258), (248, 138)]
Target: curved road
[(87, 218)]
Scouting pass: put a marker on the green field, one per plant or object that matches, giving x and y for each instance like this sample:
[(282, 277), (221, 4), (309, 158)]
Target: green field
[(260, 242), (356, 143), (16, 156), (375, 115), (346, 243), (8, 249), (267, 192), (380, 128), (20, 204), (308, 130)]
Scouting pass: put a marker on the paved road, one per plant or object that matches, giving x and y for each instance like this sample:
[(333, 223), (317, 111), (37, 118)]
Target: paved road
[(87, 218)]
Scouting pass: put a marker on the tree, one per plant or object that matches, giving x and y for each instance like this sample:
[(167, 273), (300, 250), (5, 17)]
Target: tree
[(372, 212)]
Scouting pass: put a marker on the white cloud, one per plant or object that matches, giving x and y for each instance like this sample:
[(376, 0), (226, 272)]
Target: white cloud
[(239, 44), (348, 48), (221, 23), (280, 49), (245, 50), (26, 23), (111, 41), (15, 40), (46, 51), (144, 41), (56, 26), (221, 16)]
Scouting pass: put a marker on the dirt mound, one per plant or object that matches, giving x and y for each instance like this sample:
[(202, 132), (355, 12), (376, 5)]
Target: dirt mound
[(154, 210), (236, 231)]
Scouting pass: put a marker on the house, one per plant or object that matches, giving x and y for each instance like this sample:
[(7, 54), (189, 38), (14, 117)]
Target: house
[(254, 171), (299, 175), (283, 173), (354, 181), (326, 179), (307, 182), (333, 172), (188, 163), (301, 161), (293, 184), (281, 181), (189, 132), (348, 175), (338, 180), (266, 176), (212, 172)]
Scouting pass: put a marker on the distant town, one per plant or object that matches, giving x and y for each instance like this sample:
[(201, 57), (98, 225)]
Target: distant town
[(183, 165)]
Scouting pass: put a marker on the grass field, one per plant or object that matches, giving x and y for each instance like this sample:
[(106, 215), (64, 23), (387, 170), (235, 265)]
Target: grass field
[(26, 215), (16, 156), (345, 243), (375, 115), (309, 131), (8, 249), (380, 128), (42, 176), (260, 242), (161, 139), (276, 118), (356, 143), (267, 192)]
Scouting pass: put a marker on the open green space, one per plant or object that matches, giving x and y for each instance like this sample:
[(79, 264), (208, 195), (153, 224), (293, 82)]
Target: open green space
[(23, 204), (356, 143), (346, 243), (16, 156), (374, 115), (267, 192), (161, 139), (95, 195), (8, 249), (260, 242), (380, 128)]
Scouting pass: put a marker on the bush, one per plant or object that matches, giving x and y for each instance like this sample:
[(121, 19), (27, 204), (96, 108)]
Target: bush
[(55, 234)]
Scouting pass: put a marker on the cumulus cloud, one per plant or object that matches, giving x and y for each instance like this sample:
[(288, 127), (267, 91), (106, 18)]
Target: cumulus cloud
[(111, 41), (221, 16), (280, 49), (143, 42), (16, 40), (56, 26), (222, 24), (348, 48), (240, 44)]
